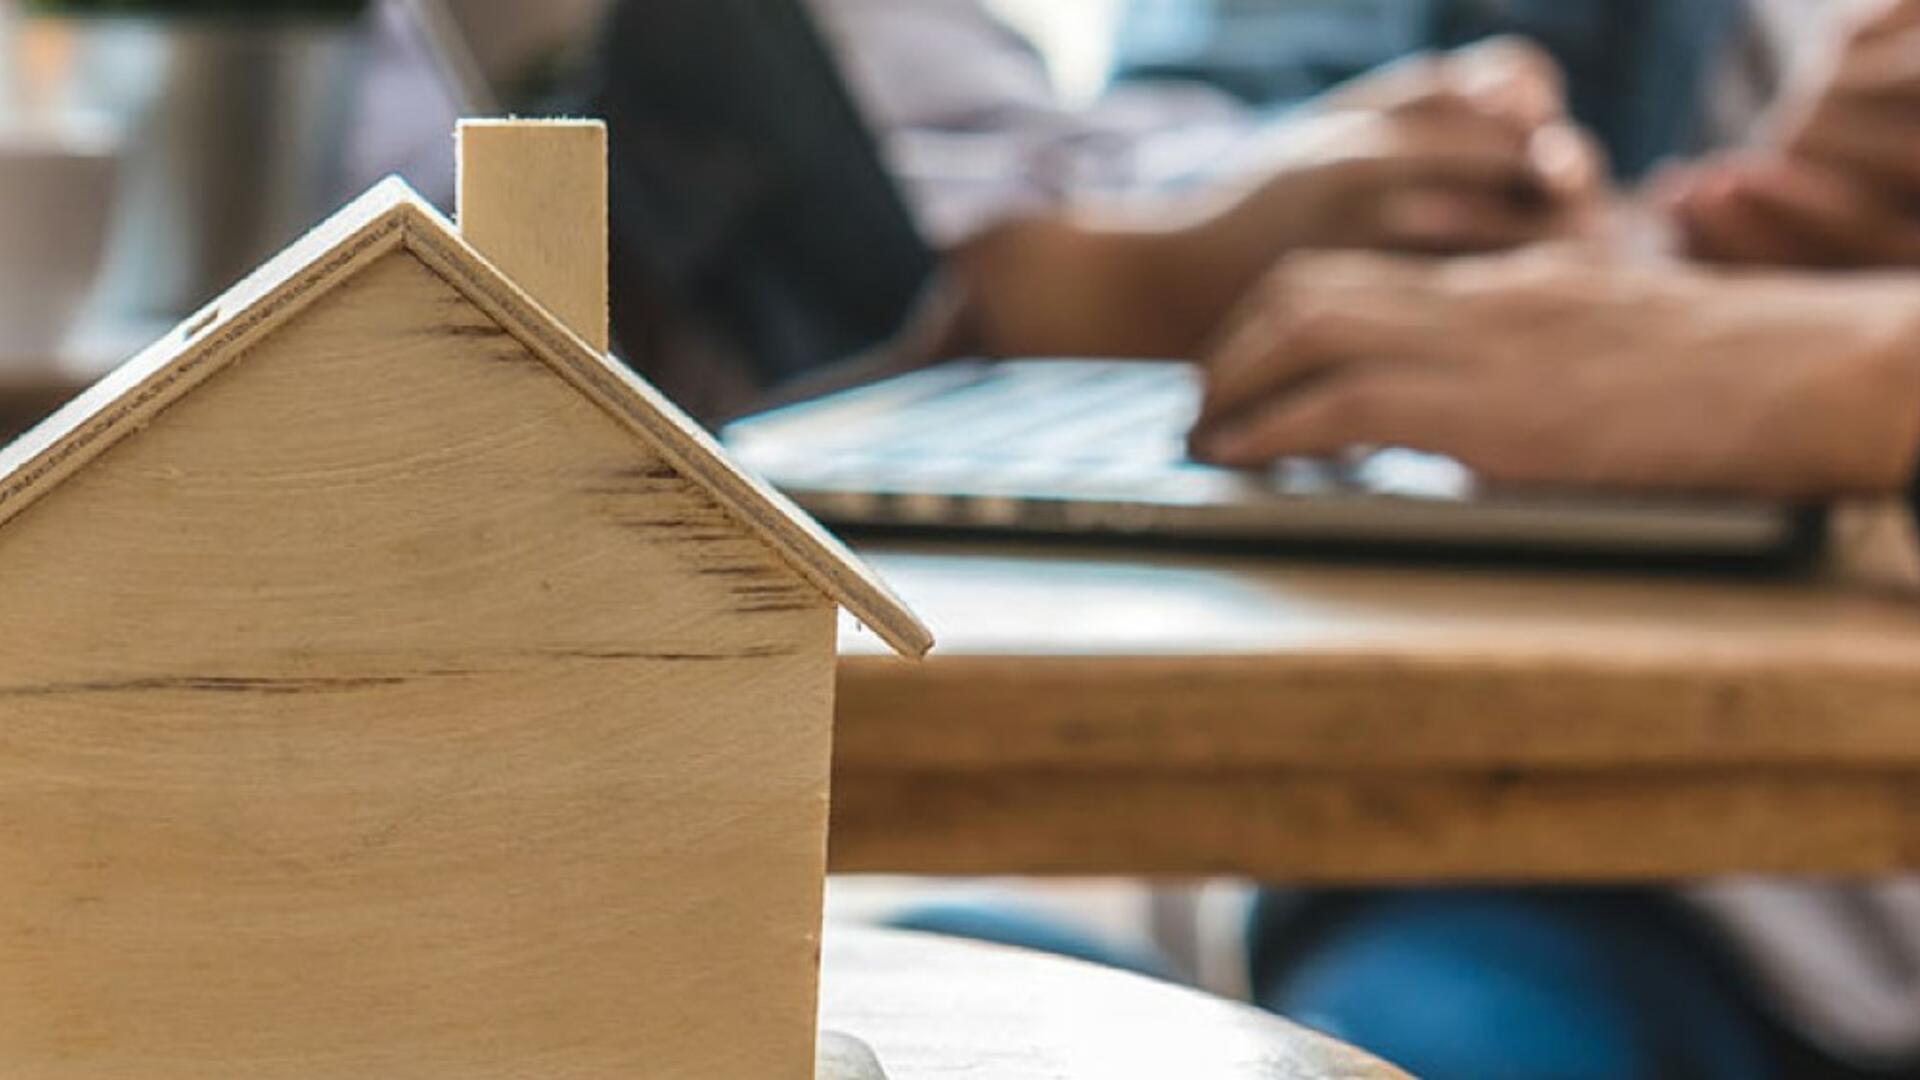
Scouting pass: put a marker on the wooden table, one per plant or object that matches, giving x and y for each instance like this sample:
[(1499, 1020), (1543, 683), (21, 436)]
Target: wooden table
[(935, 1008), (1092, 713)]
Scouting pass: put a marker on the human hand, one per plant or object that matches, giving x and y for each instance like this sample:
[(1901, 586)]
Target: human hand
[(1837, 187), (1547, 371), (1776, 210), (1463, 151), (1469, 150), (1505, 76), (1863, 117)]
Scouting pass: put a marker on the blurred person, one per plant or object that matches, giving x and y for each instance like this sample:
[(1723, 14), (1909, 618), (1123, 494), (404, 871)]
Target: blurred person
[(1111, 229), (1458, 152), (1815, 391), (720, 211), (1548, 369), (973, 124), (978, 133)]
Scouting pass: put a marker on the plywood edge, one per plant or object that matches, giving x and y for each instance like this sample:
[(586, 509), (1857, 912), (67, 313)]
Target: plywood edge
[(129, 398), (823, 560)]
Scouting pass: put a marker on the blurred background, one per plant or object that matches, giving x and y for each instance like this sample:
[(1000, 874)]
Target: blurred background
[(202, 136), (151, 153)]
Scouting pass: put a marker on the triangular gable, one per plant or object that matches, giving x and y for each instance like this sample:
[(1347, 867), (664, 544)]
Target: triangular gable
[(389, 217)]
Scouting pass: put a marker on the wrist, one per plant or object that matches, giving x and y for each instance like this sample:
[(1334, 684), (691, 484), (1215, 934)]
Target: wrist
[(1148, 278), (1064, 285), (1200, 270), (1880, 454)]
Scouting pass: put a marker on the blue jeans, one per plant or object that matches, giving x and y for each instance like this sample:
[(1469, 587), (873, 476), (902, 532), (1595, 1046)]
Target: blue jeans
[(1484, 984), (1499, 984)]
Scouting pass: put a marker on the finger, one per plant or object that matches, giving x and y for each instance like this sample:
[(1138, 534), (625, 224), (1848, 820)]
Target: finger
[(1718, 224), (1381, 403), (1253, 340), (1270, 353), (1886, 18), (1510, 77), (1440, 101), (1464, 152), (1387, 87), (1672, 183), (1315, 313), (1556, 167), (1506, 77), (1452, 143), (1570, 162), (1885, 67), (1881, 142), (1441, 220), (1836, 220)]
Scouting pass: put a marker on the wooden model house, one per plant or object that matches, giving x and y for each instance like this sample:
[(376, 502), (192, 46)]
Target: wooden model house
[(392, 685)]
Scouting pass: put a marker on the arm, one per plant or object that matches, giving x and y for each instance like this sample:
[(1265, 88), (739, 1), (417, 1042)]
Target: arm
[(1430, 155), (1463, 151)]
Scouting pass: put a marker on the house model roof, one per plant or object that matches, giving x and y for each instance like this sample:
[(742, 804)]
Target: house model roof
[(392, 217)]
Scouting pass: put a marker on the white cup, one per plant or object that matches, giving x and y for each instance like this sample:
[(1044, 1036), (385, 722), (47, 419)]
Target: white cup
[(56, 203)]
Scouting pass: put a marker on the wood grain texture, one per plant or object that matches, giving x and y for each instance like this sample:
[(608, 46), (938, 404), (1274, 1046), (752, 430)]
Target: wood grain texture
[(392, 217), (935, 1009), (1190, 715), (533, 200), (384, 708), (1379, 828)]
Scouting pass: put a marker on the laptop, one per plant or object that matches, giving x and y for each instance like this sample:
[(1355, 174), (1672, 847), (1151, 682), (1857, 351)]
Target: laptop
[(826, 268)]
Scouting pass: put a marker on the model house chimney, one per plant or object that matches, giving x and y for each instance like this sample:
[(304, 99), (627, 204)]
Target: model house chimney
[(533, 200)]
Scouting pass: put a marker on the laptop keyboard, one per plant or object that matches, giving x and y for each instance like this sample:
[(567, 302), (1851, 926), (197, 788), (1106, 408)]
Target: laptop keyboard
[(1098, 447), (1056, 429)]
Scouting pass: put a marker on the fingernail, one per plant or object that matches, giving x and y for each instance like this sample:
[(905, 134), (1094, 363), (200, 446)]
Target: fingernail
[(1564, 161)]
